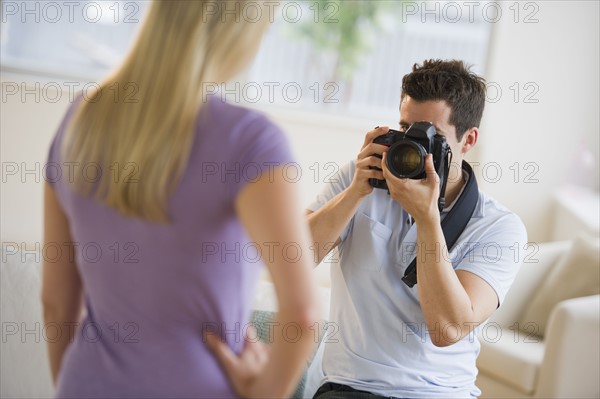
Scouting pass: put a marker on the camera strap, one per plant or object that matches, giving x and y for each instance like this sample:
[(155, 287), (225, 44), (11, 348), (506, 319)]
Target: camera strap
[(443, 181), (455, 221)]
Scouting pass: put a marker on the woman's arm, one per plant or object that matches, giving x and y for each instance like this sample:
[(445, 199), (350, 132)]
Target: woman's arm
[(272, 216), (61, 285)]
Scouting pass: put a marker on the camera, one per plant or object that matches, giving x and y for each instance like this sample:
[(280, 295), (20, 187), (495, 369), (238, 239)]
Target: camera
[(407, 150)]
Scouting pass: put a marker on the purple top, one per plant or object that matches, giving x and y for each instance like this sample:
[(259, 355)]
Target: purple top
[(151, 289)]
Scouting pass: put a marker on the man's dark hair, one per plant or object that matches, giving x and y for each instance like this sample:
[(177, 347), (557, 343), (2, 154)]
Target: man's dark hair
[(453, 82)]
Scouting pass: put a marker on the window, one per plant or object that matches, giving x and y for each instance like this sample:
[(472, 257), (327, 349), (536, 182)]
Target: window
[(334, 57), (350, 58), (70, 39)]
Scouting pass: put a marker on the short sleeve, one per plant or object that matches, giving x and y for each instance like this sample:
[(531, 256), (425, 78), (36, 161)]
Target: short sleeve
[(338, 183), (497, 255), (262, 148)]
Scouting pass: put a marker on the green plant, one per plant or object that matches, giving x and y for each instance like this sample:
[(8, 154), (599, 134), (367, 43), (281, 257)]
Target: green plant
[(341, 28)]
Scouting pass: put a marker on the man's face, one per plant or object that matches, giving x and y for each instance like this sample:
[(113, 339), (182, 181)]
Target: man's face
[(436, 112)]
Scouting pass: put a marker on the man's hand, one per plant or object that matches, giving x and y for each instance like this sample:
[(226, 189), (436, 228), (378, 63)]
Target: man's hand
[(243, 369), (418, 197), (360, 183), (327, 223)]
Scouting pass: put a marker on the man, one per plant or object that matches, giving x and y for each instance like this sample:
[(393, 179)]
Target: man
[(387, 339)]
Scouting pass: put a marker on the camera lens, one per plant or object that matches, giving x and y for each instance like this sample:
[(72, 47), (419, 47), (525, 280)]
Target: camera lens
[(406, 159)]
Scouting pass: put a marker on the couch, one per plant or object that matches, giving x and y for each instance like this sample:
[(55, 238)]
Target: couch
[(515, 362)]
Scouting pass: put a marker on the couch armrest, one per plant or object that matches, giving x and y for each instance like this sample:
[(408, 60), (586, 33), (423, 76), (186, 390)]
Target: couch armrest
[(572, 359), (538, 261)]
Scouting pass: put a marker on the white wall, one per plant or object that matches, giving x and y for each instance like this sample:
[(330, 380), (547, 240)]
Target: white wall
[(26, 129), (560, 55)]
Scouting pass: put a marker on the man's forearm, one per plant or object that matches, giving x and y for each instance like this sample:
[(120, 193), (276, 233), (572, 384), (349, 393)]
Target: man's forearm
[(327, 223), (445, 304)]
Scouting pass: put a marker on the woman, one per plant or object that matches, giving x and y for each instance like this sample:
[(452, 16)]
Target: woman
[(167, 231)]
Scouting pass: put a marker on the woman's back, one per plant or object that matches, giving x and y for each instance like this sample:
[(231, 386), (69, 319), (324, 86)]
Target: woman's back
[(153, 289)]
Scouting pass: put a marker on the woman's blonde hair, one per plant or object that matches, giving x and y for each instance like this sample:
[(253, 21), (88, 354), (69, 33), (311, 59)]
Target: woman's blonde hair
[(140, 135)]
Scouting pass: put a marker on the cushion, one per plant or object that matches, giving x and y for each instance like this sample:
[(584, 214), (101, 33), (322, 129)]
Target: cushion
[(260, 319), (512, 357), (265, 297), (576, 274)]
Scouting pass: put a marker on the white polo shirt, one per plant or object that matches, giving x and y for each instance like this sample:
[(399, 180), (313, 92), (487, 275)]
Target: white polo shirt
[(378, 340)]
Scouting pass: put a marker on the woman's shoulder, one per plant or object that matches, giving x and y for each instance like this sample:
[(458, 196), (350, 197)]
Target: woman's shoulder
[(236, 122)]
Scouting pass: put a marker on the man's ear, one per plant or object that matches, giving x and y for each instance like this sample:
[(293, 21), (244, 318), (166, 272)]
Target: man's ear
[(469, 140)]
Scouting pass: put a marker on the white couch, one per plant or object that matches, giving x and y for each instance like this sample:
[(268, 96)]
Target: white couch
[(24, 366), (565, 364)]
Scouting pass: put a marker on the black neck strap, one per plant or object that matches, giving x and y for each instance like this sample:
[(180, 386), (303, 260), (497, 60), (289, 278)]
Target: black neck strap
[(455, 221)]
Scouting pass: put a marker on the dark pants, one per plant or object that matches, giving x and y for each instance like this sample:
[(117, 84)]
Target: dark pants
[(329, 390)]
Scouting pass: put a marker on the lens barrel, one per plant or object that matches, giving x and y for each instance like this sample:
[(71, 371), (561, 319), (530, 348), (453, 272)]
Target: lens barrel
[(406, 159)]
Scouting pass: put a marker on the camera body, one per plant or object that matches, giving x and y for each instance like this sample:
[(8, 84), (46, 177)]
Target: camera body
[(407, 150)]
